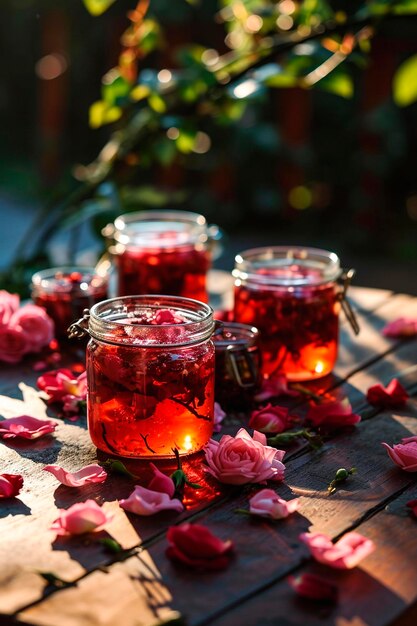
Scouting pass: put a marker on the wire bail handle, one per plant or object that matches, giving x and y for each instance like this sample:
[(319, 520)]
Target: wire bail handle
[(79, 328), (346, 279)]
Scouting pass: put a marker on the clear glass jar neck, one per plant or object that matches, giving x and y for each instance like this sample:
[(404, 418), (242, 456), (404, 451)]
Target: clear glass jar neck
[(282, 266), (234, 336), (113, 321), (160, 229), (68, 279)]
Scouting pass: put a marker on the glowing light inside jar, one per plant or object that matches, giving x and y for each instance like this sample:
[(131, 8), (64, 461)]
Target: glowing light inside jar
[(187, 443), (319, 367)]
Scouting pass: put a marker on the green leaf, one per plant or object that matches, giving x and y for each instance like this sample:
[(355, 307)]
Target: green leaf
[(157, 103), (97, 7), (338, 83), (282, 80), (53, 580), (117, 467), (186, 140), (111, 544), (405, 82), (101, 113), (115, 88)]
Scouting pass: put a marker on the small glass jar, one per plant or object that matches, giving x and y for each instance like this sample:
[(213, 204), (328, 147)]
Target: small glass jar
[(64, 292), (150, 372), (238, 366), (162, 252), (293, 297)]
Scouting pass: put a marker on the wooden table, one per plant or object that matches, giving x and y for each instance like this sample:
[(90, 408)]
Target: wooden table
[(145, 588)]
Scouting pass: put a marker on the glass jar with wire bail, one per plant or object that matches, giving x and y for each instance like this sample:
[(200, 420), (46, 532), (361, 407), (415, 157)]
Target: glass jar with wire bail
[(293, 296), (162, 251), (150, 373)]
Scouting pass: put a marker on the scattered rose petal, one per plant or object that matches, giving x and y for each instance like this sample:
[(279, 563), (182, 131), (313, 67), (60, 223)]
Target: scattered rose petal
[(10, 485), (160, 482), (64, 388), (267, 503), (404, 454), (144, 501), (313, 587), (219, 416), (80, 518), (409, 439), (242, 459), (391, 396), (26, 427), (274, 387), (195, 546), (166, 316), (412, 504), (333, 414), (89, 474), (401, 327), (345, 554), (270, 419)]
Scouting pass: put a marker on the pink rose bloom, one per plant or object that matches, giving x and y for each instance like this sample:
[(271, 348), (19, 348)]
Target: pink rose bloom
[(80, 518), (267, 503), (144, 501), (26, 427), (333, 414), (401, 327), (10, 485), (404, 454), (313, 587), (160, 482), (345, 554), (89, 474), (242, 459), (36, 325), (219, 416), (270, 419), (13, 344), (9, 303), (274, 387), (391, 396)]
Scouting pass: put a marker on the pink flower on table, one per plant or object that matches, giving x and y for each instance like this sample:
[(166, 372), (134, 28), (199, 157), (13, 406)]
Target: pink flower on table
[(10, 485), (9, 303), (144, 501), (267, 503), (80, 518), (63, 387), (26, 427), (195, 546), (270, 419), (161, 482), (401, 327), (274, 387), (13, 344), (412, 504), (391, 396), (219, 416), (89, 474), (35, 324), (404, 454), (313, 587), (242, 459), (345, 554), (333, 414)]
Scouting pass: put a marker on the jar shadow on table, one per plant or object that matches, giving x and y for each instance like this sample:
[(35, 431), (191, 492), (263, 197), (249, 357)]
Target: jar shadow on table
[(14, 506)]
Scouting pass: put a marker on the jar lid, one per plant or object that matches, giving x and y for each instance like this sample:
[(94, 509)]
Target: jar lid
[(160, 229), (287, 266)]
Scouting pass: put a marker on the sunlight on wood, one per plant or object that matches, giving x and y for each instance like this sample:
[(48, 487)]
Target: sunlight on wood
[(32, 404)]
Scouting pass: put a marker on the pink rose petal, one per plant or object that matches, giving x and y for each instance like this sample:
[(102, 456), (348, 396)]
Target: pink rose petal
[(404, 454), (80, 518), (89, 474), (26, 427), (10, 485), (267, 503), (345, 554), (274, 387), (161, 483), (401, 327), (144, 501)]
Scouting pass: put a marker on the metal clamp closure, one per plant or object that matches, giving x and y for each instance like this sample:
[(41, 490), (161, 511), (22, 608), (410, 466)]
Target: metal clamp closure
[(243, 367), (346, 278), (79, 328)]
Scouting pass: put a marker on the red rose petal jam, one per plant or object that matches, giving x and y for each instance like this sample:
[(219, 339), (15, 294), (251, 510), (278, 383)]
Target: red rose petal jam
[(294, 301), (65, 292), (152, 388)]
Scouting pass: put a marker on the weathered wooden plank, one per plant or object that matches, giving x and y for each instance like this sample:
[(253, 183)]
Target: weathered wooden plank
[(266, 552)]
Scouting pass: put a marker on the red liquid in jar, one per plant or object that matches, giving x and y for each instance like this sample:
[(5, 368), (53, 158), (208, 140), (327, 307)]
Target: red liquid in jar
[(145, 401), (179, 271), (299, 325)]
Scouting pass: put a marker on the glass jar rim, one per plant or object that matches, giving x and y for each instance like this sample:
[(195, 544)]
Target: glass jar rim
[(47, 281), (248, 336), (198, 327), (325, 265), (187, 227)]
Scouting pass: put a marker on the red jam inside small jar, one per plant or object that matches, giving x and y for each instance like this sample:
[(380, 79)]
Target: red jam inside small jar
[(162, 252), (150, 370), (64, 292), (238, 361), (291, 295)]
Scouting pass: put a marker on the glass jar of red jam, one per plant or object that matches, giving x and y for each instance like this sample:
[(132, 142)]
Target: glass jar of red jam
[(162, 251), (238, 367), (292, 296), (64, 292), (150, 372)]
